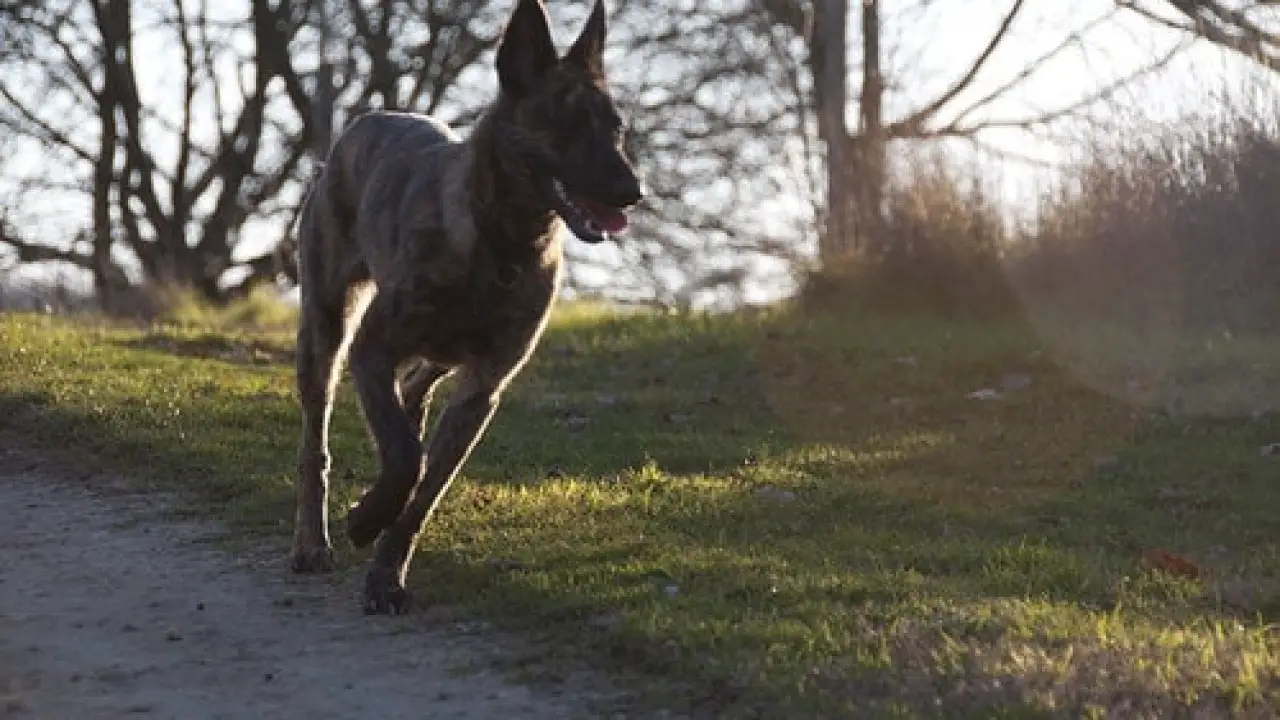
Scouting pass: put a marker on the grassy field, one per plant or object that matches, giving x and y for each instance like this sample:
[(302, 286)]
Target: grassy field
[(803, 515)]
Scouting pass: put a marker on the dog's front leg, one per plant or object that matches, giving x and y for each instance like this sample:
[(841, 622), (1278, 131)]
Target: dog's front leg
[(459, 429)]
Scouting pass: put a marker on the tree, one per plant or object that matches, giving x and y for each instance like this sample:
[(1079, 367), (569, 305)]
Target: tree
[(1250, 28), (856, 160), (176, 178), (175, 210), (737, 114), (712, 121), (13, 17)]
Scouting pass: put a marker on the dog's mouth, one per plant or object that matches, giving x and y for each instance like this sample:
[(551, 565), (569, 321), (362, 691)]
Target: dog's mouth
[(590, 220)]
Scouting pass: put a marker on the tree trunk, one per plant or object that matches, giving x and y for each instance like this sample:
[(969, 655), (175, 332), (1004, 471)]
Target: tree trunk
[(103, 182), (869, 163), (829, 67)]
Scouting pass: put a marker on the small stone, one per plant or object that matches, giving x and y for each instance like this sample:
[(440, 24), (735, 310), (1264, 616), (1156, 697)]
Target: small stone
[(1269, 450), (1014, 382)]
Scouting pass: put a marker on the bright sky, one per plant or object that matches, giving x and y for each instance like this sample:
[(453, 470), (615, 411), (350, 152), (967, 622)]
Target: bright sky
[(927, 50)]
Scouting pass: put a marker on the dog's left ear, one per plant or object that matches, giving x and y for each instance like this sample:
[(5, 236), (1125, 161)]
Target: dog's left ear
[(588, 50)]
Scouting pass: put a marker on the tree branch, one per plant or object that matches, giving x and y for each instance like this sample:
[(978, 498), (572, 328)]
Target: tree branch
[(916, 120)]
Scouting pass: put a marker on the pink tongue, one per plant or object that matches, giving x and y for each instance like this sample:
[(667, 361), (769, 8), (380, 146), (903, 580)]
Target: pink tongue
[(609, 219)]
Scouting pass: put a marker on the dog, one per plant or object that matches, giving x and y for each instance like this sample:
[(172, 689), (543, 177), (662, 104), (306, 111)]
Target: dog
[(422, 255)]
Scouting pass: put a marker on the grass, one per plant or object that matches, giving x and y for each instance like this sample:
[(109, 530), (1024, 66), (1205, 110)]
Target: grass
[(801, 516)]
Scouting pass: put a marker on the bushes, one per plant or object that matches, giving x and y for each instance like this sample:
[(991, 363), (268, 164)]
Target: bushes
[(1180, 220), (1185, 220), (942, 250)]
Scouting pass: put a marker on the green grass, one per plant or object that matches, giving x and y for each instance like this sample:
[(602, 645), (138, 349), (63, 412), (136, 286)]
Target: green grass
[(799, 516)]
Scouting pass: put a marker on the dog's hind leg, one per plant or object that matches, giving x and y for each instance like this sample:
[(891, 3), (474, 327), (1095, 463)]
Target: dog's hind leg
[(399, 448), (319, 348)]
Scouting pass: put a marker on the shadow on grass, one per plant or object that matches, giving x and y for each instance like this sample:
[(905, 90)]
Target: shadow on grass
[(629, 460), (784, 587), (246, 350)]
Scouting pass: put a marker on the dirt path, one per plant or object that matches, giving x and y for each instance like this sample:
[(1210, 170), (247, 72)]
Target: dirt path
[(110, 608)]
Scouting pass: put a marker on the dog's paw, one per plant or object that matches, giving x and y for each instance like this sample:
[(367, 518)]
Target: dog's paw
[(374, 513), (384, 594)]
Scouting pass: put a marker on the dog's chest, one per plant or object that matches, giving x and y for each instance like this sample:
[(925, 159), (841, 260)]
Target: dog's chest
[(487, 316)]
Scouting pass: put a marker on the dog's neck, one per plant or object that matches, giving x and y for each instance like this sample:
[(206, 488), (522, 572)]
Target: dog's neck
[(509, 208)]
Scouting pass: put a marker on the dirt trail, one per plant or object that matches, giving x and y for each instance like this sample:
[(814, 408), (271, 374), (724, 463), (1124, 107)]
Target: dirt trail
[(110, 608)]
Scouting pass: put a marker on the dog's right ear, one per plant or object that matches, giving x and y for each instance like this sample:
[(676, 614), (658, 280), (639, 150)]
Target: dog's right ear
[(525, 52)]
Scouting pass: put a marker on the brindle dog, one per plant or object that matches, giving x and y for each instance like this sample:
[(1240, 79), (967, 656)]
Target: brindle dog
[(420, 250)]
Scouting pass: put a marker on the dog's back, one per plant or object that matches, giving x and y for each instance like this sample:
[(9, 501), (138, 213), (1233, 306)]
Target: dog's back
[(387, 170), (386, 142)]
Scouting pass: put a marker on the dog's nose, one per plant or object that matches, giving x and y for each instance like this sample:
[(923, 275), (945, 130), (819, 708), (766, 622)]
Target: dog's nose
[(629, 191)]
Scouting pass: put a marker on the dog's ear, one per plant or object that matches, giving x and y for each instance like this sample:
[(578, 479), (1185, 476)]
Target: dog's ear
[(588, 50), (525, 52)]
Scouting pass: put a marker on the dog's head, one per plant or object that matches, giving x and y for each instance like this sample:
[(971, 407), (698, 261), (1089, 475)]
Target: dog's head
[(563, 107)]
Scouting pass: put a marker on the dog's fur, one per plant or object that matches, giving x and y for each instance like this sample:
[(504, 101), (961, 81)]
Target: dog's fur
[(419, 250)]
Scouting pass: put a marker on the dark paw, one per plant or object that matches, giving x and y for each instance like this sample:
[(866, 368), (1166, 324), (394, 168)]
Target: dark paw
[(384, 594), (313, 560), (374, 513)]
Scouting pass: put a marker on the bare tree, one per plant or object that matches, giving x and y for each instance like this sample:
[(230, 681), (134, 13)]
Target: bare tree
[(177, 209), (13, 24), (174, 177), (717, 121), (1250, 28), (856, 159), (736, 108), (711, 118)]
